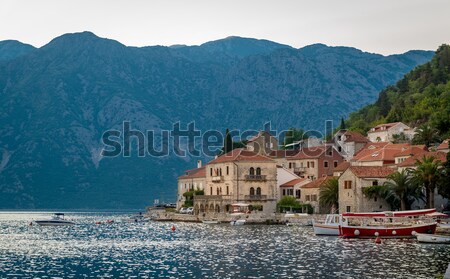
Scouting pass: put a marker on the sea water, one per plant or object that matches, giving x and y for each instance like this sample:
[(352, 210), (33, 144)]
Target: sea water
[(126, 249)]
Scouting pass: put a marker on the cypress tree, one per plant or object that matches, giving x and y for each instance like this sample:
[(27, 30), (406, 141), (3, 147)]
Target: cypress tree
[(342, 127)]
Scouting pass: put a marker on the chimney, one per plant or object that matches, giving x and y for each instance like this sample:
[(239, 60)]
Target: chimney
[(199, 163)]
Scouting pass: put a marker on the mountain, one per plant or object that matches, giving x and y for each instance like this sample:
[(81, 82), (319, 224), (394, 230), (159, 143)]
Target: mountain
[(421, 97), (57, 101), (11, 49)]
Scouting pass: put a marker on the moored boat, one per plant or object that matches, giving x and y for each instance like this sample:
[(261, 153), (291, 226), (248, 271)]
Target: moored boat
[(210, 221), (56, 220), (237, 222), (329, 227), (433, 238), (398, 224)]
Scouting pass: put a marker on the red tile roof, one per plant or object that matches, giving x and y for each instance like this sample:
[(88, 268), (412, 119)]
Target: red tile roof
[(371, 171), (293, 182), (380, 151), (443, 145), (386, 127), (194, 173), (411, 161), (354, 137), (343, 166), (240, 154), (412, 150), (318, 182)]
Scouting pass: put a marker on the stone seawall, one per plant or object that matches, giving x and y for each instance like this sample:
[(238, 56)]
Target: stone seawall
[(251, 218)]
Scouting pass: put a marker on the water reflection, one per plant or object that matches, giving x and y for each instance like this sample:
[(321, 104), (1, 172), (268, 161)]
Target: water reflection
[(127, 250)]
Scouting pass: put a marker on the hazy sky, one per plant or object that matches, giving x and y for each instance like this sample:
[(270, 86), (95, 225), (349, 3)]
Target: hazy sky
[(381, 26)]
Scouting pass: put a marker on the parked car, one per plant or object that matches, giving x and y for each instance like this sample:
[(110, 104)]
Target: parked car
[(183, 210), (190, 210)]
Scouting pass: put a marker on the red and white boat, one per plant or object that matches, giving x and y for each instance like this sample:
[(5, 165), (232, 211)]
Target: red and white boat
[(395, 224)]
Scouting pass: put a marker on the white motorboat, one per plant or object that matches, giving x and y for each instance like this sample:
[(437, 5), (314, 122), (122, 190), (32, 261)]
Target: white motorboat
[(432, 238), (239, 222), (329, 227), (56, 220)]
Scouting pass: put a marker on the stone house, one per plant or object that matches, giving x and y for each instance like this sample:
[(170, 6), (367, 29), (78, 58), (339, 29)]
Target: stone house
[(310, 194), (348, 143), (351, 184), (194, 179), (263, 143), (386, 132), (239, 176)]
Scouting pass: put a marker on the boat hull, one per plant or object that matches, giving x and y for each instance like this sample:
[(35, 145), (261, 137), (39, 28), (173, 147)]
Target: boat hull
[(54, 223), (237, 223), (433, 238), (322, 229), (385, 232)]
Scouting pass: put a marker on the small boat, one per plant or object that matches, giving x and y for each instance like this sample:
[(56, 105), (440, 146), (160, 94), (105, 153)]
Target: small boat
[(239, 222), (397, 224), (56, 220), (211, 222), (329, 227), (433, 238)]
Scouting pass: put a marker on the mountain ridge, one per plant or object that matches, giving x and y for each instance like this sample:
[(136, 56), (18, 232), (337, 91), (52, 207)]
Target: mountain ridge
[(56, 102)]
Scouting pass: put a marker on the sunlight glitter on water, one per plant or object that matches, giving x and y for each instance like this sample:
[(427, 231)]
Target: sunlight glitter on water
[(148, 250)]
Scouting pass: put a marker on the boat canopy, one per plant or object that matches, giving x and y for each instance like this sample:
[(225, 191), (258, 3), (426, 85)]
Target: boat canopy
[(392, 213)]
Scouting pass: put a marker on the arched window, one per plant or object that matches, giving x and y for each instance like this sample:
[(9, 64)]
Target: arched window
[(252, 191), (252, 171), (258, 171), (258, 191)]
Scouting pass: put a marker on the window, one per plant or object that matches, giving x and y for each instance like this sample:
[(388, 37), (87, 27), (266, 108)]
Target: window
[(252, 191), (284, 192), (307, 164), (210, 171), (217, 191), (375, 183), (228, 190), (252, 171), (325, 164), (220, 171), (307, 198), (313, 197), (228, 170), (258, 171), (311, 164), (210, 191), (339, 149), (290, 165), (335, 163), (347, 184), (297, 194), (258, 191), (348, 208)]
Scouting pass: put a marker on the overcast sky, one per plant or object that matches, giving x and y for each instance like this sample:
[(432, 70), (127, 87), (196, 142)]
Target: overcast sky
[(380, 26)]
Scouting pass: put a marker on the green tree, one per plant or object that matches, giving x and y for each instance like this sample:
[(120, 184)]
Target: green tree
[(292, 135), (329, 194), (342, 126), (399, 184), (227, 142), (428, 175), (383, 192), (444, 185), (426, 135)]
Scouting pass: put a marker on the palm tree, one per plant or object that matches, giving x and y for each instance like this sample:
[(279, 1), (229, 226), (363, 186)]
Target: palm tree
[(427, 175), (329, 194), (426, 135), (399, 184)]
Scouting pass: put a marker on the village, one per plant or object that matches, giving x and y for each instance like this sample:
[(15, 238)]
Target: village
[(253, 181)]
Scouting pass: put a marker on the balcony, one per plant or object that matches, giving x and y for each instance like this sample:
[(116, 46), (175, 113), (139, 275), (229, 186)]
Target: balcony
[(252, 177), (255, 197), (218, 178), (299, 169), (208, 198)]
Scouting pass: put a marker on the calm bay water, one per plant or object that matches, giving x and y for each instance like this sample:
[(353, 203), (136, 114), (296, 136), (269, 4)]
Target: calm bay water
[(148, 250)]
